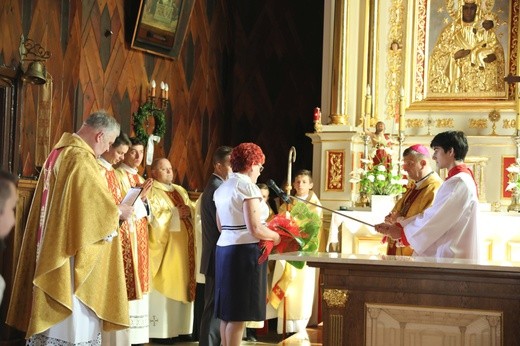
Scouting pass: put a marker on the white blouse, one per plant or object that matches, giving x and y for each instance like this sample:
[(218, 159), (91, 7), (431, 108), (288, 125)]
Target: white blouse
[(229, 199)]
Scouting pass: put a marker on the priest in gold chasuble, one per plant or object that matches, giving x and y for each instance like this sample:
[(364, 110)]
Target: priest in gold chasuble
[(172, 255), (419, 195), (70, 283)]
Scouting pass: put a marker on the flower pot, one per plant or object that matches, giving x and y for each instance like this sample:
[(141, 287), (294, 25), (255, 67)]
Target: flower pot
[(382, 204)]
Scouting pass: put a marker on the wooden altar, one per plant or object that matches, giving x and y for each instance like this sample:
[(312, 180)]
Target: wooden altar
[(455, 302)]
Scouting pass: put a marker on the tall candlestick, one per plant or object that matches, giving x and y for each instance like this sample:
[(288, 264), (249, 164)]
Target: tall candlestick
[(166, 88), (153, 85), (402, 125), (368, 102)]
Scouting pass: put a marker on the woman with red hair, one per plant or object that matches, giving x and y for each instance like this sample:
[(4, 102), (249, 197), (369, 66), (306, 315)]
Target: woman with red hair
[(240, 281)]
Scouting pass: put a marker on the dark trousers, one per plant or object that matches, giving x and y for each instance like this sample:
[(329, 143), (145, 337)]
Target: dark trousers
[(198, 308), (210, 325)]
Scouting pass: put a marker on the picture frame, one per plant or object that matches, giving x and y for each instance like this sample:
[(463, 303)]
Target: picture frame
[(438, 80), (506, 162), (161, 26)]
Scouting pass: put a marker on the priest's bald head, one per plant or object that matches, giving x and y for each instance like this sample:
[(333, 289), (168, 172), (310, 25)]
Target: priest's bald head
[(162, 170), (99, 131)]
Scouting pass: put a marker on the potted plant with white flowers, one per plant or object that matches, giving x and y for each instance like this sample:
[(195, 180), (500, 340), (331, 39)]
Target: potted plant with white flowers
[(379, 178)]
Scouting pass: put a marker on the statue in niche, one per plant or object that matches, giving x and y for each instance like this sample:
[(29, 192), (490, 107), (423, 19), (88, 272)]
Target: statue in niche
[(468, 57)]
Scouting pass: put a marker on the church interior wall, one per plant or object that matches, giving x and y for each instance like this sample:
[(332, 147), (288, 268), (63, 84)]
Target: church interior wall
[(247, 71)]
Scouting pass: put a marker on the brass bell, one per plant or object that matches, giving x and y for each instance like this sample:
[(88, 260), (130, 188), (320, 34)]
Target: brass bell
[(35, 73)]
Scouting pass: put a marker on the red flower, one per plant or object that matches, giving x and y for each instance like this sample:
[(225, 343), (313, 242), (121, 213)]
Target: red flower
[(289, 233)]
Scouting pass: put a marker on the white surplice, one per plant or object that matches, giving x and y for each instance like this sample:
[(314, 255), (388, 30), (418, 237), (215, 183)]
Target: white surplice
[(447, 229), (169, 318)]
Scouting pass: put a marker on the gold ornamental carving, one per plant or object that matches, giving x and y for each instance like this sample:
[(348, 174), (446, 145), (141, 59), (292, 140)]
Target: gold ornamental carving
[(335, 298), (414, 123), (468, 57), (484, 67), (445, 122), (394, 75), (335, 170), (478, 123), (338, 119), (420, 51), (494, 116), (509, 124)]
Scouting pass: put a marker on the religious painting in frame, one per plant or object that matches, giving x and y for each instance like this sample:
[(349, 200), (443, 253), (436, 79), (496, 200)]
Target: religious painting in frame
[(335, 170), (506, 162), (459, 55), (161, 26)]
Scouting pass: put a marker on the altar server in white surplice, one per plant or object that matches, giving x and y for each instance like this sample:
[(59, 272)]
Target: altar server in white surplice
[(172, 255), (449, 227)]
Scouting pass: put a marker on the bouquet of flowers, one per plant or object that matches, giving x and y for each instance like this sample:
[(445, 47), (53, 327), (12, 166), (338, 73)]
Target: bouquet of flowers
[(379, 179), (514, 176), (299, 232)]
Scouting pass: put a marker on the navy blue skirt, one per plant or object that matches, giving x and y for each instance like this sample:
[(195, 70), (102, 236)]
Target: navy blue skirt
[(240, 283)]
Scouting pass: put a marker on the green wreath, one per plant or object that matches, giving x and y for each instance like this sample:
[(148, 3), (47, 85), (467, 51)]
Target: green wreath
[(146, 110)]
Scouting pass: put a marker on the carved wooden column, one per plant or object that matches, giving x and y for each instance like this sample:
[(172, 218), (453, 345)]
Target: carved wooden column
[(335, 317), (339, 85)]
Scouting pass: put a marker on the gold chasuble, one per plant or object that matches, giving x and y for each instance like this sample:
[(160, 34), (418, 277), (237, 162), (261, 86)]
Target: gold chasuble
[(71, 216), (172, 243), (414, 202)]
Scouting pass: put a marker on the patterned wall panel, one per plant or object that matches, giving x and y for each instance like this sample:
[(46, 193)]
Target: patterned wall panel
[(93, 69), (248, 71)]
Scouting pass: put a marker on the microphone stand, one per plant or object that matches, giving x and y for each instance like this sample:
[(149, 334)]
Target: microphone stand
[(332, 211)]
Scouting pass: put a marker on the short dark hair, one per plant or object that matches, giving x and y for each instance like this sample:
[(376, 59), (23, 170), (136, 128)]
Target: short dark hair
[(155, 162), (6, 179), (136, 141), (221, 153), (455, 140), (304, 172), (122, 139)]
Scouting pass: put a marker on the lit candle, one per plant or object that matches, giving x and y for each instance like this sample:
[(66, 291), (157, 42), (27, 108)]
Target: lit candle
[(402, 126), (153, 85), (517, 99), (166, 88), (162, 89)]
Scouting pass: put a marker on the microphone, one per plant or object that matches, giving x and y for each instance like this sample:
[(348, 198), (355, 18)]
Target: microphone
[(278, 191), (286, 199)]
